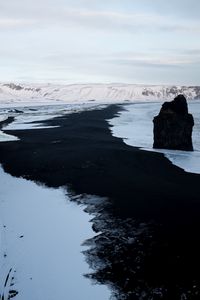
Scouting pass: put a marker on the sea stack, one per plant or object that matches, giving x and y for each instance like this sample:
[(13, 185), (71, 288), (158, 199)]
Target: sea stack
[(173, 126)]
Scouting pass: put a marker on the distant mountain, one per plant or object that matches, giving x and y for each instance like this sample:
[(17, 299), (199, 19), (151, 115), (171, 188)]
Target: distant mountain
[(11, 92)]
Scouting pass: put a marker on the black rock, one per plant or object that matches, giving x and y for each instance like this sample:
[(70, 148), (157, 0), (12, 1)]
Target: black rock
[(173, 126), (17, 111)]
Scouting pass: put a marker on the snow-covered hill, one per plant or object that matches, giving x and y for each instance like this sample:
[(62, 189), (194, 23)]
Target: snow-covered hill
[(20, 93)]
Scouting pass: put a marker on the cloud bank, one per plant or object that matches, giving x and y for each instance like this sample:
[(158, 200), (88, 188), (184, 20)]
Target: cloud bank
[(146, 41)]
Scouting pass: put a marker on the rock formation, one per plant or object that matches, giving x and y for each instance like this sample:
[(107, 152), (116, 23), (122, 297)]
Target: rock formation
[(173, 126)]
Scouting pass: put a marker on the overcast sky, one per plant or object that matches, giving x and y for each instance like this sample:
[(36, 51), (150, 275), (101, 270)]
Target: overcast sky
[(72, 41)]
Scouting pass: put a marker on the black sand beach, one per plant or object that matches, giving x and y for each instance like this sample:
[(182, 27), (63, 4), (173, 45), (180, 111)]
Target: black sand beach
[(144, 186), (82, 154), (6, 122)]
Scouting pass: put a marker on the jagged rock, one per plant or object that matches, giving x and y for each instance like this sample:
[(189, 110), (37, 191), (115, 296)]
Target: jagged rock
[(173, 126)]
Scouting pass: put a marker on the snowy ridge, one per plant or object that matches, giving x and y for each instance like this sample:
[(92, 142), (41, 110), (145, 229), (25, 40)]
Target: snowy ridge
[(20, 93)]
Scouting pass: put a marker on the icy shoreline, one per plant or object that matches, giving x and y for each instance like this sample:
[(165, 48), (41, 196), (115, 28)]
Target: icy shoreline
[(41, 230), (31, 117), (134, 124), (81, 151), (41, 233)]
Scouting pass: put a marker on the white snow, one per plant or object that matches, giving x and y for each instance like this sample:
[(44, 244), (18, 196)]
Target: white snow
[(14, 93), (135, 126), (7, 137), (40, 236), (25, 121), (3, 136)]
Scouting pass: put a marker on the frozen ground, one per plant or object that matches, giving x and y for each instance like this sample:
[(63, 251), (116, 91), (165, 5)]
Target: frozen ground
[(135, 126), (41, 233)]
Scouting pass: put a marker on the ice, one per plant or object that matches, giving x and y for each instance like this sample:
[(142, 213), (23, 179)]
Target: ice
[(135, 126), (41, 233), (7, 137)]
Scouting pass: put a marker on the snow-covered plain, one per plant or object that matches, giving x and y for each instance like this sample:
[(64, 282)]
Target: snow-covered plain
[(13, 93), (41, 233), (135, 126)]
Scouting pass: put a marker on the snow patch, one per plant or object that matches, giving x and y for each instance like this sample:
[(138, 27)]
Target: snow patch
[(7, 137), (40, 235)]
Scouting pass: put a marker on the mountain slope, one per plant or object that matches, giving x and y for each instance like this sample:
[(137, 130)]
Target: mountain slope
[(10, 92)]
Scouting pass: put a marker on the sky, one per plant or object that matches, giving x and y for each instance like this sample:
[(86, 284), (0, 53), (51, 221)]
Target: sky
[(100, 41)]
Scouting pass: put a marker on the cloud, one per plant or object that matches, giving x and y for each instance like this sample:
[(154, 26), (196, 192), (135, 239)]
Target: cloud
[(99, 38), (165, 59), (113, 20), (109, 20), (186, 8), (189, 9), (15, 23)]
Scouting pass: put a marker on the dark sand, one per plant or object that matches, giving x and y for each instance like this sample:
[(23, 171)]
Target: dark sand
[(83, 154), (6, 122), (145, 186)]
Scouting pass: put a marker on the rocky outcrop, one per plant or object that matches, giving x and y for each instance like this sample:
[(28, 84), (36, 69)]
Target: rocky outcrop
[(173, 126)]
